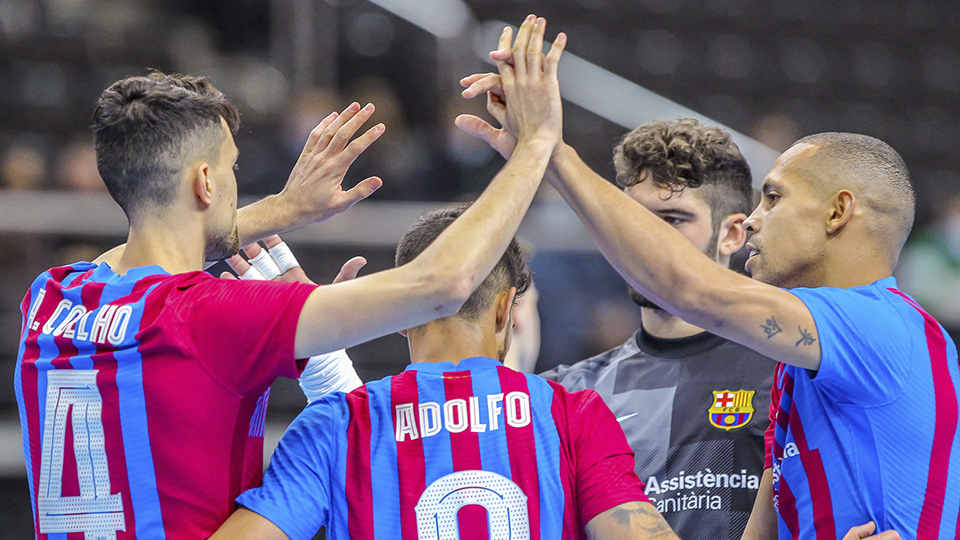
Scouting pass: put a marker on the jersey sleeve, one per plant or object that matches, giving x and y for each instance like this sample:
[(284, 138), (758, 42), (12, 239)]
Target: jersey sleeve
[(605, 476), (243, 332), (865, 344), (295, 495)]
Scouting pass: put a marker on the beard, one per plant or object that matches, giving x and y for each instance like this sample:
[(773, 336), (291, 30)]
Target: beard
[(222, 246), (710, 251)]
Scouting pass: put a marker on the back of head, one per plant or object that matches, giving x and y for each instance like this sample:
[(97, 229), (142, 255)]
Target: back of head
[(877, 176), (510, 271), (683, 154), (147, 129)]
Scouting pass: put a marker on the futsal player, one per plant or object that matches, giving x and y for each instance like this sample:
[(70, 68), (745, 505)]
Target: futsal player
[(866, 427), (457, 446), (141, 384), (692, 404)]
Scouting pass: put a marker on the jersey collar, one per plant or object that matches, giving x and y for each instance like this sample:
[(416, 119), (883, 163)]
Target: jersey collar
[(104, 273), (465, 365)]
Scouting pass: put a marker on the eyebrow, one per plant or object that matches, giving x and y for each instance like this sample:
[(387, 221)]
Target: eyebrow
[(675, 211)]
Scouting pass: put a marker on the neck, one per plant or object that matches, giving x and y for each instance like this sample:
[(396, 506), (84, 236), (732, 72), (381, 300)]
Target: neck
[(176, 245), (855, 267), (451, 340), (661, 324)]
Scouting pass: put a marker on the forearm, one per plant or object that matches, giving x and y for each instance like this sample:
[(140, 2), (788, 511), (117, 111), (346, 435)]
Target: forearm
[(270, 215), (762, 524), (650, 254)]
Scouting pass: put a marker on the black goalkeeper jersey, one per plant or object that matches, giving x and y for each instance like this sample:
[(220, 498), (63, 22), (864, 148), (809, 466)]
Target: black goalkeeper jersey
[(694, 411)]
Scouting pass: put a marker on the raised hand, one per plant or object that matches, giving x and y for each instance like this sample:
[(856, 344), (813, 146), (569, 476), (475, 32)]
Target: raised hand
[(314, 191), (278, 263), (490, 84), (532, 94)]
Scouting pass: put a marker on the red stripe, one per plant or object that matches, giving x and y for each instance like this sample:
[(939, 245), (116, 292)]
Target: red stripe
[(465, 447), (571, 516), (787, 506), (522, 448), (410, 459), (945, 426), (820, 496), (359, 487)]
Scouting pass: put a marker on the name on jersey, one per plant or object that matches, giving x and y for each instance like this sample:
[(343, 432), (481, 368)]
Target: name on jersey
[(107, 324), (426, 419), (789, 451)]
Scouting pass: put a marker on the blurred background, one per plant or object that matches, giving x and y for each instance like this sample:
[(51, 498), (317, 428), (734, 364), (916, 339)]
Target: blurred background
[(773, 71)]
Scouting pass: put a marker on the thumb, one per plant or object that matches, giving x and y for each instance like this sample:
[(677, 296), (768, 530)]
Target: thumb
[(361, 191), (350, 269), (477, 127), (861, 531)]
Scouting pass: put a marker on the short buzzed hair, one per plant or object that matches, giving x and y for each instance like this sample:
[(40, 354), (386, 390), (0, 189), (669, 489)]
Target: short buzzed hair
[(877, 174), (147, 129), (510, 271), (684, 153)]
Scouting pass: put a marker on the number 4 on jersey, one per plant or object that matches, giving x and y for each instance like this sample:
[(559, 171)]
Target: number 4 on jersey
[(96, 512)]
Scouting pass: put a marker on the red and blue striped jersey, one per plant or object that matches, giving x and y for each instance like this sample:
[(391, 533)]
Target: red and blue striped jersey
[(142, 397), (473, 450), (872, 435)]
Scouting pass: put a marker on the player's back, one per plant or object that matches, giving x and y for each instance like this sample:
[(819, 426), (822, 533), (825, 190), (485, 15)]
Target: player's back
[(127, 431), (443, 450)]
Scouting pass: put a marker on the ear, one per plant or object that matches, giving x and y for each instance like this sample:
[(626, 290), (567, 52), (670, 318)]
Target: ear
[(202, 185), (732, 235), (504, 304), (844, 204)]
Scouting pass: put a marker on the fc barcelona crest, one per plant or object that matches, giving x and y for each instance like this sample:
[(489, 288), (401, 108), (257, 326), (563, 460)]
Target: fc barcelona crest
[(731, 410)]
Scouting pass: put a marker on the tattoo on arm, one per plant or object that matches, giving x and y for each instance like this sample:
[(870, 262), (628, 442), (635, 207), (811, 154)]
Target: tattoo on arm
[(806, 338), (642, 518), (771, 328)]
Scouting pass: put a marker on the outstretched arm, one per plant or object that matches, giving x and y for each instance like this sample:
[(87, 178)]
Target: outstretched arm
[(653, 257), (440, 279)]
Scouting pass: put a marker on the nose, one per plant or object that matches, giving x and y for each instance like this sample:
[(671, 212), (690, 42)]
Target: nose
[(752, 223)]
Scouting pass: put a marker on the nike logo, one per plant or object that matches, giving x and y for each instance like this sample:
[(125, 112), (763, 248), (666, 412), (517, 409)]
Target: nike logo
[(622, 418)]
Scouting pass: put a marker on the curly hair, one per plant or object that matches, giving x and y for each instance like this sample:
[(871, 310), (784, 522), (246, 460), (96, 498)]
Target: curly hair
[(510, 271), (147, 128), (683, 154)]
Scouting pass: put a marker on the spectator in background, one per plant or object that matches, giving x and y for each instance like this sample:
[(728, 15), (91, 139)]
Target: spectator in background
[(23, 166), (76, 167)]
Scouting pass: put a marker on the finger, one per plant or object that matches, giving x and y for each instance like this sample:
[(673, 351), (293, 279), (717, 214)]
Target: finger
[(470, 79), (535, 47), (350, 269), (272, 240), (243, 268), (358, 145), (497, 107), (490, 83), (887, 535), (520, 46), (504, 58), (360, 192), (283, 256), (314, 136), (326, 134), (261, 259), (861, 531), (296, 274), (552, 60), (347, 131), (227, 275), (477, 127)]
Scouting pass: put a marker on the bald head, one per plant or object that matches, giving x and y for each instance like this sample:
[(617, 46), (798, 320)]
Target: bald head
[(874, 172)]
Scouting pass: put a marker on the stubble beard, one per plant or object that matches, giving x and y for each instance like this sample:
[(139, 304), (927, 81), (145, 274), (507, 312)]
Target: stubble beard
[(644, 302), (222, 246)]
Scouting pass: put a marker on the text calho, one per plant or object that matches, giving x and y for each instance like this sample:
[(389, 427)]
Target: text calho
[(457, 415), (108, 324)]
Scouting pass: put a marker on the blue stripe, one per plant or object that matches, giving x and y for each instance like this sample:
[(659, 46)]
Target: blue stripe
[(547, 442), (494, 452), (141, 474), (437, 451), (385, 478), (338, 527), (18, 390)]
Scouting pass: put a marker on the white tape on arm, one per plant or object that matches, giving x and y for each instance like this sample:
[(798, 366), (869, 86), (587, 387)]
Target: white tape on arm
[(265, 264), (325, 373), (284, 257)]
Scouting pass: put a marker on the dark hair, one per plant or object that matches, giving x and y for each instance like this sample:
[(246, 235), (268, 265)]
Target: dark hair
[(146, 129), (682, 154), (877, 168), (511, 270)]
